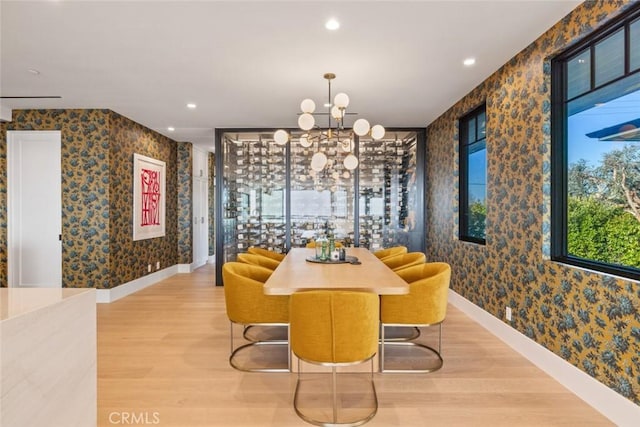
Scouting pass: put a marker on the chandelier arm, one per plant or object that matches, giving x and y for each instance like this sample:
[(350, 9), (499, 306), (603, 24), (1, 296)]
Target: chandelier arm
[(319, 161), (329, 103)]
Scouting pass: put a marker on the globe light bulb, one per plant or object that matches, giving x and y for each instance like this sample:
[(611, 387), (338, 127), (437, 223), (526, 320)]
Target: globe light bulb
[(308, 106), (361, 127), (336, 113), (341, 100), (347, 145), (306, 121), (350, 162), (318, 161), (281, 137), (377, 132), (305, 141)]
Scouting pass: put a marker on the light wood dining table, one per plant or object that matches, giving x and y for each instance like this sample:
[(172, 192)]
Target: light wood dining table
[(295, 273)]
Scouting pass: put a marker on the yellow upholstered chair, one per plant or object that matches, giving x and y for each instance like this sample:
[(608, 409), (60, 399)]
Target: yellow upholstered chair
[(398, 262), (334, 328), (389, 252), (260, 260), (247, 305), (264, 252), (312, 244), (424, 305)]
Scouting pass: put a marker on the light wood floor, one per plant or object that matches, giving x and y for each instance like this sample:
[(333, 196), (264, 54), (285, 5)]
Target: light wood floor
[(162, 354)]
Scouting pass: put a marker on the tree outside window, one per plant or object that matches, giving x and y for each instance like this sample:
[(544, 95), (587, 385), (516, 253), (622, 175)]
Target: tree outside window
[(473, 176), (596, 152)]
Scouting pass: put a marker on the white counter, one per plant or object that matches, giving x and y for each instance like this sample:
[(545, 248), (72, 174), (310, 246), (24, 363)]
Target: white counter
[(48, 369)]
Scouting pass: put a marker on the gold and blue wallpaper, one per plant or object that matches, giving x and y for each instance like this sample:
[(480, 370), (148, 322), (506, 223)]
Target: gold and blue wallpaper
[(591, 320), (185, 211), (129, 259), (97, 172), (85, 191)]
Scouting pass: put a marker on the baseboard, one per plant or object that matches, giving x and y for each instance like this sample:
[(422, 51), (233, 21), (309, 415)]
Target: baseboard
[(612, 405), (211, 259), (188, 268), (114, 294), (185, 268)]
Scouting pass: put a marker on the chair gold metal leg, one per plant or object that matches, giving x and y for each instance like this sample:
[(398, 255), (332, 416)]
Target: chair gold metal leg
[(415, 334), (246, 333), (381, 361), (437, 352), (334, 420), (335, 394), (234, 351)]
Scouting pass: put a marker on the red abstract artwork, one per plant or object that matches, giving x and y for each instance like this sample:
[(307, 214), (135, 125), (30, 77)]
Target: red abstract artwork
[(150, 207)]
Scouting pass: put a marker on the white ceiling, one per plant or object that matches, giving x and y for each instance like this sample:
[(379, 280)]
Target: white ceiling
[(249, 64)]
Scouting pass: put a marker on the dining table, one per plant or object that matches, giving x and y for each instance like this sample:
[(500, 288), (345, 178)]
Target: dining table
[(361, 270)]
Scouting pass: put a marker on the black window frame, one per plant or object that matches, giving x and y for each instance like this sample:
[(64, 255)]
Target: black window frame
[(463, 187), (559, 143)]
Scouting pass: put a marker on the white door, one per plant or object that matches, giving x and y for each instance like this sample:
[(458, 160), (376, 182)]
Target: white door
[(34, 209)]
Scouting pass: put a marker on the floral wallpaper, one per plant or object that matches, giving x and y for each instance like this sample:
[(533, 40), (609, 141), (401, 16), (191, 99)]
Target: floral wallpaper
[(97, 172), (85, 191), (185, 211), (129, 259), (591, 320)]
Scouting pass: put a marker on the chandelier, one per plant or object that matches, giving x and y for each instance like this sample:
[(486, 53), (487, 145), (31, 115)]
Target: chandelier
[(334, 133)]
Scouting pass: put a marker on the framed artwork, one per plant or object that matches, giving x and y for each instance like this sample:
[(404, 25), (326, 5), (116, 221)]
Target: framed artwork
[(149, 197)]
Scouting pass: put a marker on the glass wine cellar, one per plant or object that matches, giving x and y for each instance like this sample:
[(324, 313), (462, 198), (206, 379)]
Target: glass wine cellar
[(270, 197)]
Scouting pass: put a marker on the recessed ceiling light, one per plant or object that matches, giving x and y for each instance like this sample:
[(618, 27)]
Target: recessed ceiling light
[(332, 24), (191, 106), (469, 62), (171, 128)]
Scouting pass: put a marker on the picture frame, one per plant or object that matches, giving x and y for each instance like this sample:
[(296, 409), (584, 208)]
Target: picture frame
[(149, 197)]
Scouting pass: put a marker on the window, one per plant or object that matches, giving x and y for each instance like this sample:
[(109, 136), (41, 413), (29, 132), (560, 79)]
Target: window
[(596, 151), (473, 176)]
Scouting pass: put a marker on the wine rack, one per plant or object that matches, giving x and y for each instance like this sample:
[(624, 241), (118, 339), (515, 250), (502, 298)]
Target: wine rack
[(253, 195), (254, 191), (387, 191)]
